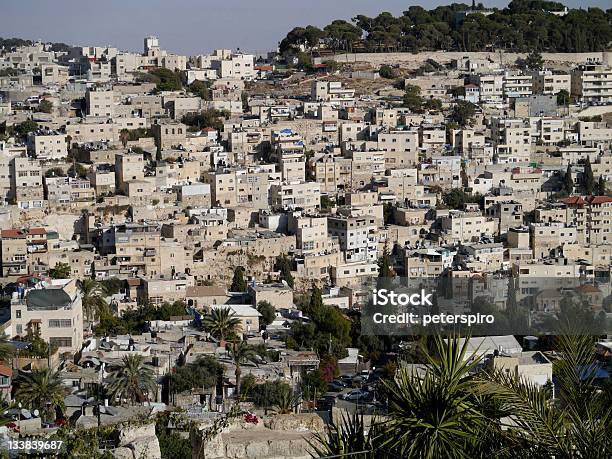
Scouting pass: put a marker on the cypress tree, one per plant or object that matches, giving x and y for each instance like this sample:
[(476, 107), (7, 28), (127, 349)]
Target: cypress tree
[(238, 282), (589, 181), (568, 182)]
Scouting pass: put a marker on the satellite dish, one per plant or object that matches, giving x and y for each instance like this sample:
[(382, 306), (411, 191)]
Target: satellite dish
[(36, 413)]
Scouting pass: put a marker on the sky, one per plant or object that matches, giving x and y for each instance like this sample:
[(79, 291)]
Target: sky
[(191, 26)]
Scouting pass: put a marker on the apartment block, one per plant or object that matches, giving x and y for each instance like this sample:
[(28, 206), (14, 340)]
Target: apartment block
[(54, 312)]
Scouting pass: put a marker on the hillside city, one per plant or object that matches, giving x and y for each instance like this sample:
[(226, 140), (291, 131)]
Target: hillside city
[(189, 244)]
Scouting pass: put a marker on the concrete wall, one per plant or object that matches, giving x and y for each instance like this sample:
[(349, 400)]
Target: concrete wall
[(414, 60)]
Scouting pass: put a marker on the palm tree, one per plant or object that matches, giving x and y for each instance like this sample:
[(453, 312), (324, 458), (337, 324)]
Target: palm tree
[(578, 425), (221, 322), (438, 414), (456, 411), (240, 353), (124, 136), (94, 304), (42, 390), (132, 380), (345, 439), (285, 401)]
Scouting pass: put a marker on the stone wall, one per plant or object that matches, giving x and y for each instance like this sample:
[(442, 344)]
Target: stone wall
[(414, 60), (278, 437), (136, 442)]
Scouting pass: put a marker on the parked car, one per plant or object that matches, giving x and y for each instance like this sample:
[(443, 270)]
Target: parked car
[(355, 395), (335, 387)]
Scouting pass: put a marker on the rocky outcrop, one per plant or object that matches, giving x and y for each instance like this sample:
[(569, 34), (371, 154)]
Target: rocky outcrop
[(136, 442), (279, 437)]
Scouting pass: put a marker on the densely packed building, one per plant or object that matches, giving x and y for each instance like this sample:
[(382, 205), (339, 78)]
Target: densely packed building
[(179, 176)]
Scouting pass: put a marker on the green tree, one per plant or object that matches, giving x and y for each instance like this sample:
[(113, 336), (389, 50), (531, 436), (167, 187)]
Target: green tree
[(171, 443), (45, 106), (132, 380), (210, 118), (315, 305), (267, 311), (55, 172), (201, 89), (269, 393), (563, 98), (93, 301), (204, 373), (601, 186), (345, 437), (577, 425), (124, 137), (77, 170), (221, 322), (386, 71), (568, 181), (168, 80), (240, 353), (238, 282), (313, 384), (388, 213), (112, 285), (60, 271), (9, 72), (304, 61), (247, 383), (285, 265), (26, 127), (534, 61), (42, 390), (456, 198), (286, 402), (589, 180), (384, 264), (463, 112), (326, 202), (412, 98), (434, 105), (438, 414)]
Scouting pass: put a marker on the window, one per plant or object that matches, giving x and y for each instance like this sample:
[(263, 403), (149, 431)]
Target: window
[(18, 313), (60, 341), (19, 329), (60, 323)]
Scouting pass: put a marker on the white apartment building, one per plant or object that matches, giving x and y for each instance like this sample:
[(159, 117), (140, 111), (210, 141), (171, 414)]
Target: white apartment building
[(292, 196), (491, 87), (47, 144), (100, 103), (547, 131), (512, 138), (233, 65), (356, 236), (592, 83), (26, 183), (333, 92), (517, 85), (55, 312), (401, 148)]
